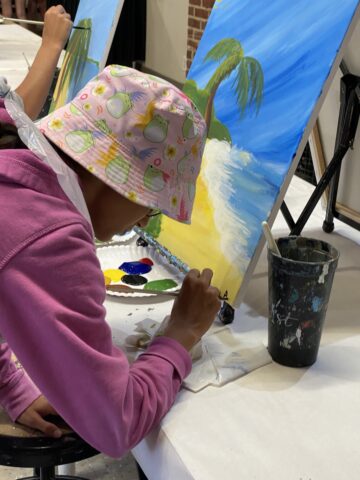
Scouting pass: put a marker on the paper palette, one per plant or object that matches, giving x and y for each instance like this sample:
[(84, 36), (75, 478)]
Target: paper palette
[(111, 257)]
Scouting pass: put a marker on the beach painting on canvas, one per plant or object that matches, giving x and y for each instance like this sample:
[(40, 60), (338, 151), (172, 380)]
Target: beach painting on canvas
[(88, 47), (259, 76)]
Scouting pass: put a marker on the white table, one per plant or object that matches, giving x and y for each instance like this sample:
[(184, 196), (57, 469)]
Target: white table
[(14, 41), (276, 422)]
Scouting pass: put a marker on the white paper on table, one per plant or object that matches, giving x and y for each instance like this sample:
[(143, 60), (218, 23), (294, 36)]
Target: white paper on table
[(220, 358), (226, 356)]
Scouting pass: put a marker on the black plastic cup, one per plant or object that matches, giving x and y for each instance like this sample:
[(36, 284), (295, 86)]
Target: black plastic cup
[(300, 283)]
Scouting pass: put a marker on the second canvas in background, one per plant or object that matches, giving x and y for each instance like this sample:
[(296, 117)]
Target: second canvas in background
[(87, 48)]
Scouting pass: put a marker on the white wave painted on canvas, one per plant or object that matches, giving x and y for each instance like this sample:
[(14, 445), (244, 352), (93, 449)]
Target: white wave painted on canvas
[(219, 158)]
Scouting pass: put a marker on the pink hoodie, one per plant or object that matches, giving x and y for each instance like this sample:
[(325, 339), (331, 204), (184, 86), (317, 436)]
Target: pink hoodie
[(52, 316)]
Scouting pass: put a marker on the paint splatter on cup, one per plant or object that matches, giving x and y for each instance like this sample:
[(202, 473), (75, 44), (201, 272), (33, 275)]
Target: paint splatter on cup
[(300, 283)]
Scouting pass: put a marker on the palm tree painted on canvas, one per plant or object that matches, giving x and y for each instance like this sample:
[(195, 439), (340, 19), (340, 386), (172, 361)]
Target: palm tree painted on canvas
[(75, 61), (249, 80), (248, 84)]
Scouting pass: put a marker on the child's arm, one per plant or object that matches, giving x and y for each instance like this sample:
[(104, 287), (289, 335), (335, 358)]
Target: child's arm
[(36, 85), (16, 389), (65, 345), (17, 392)]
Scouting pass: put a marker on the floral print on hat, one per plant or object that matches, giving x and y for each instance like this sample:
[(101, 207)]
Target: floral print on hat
[(138, 133)]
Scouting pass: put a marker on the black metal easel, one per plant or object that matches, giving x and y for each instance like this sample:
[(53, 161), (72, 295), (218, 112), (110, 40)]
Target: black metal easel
[(346, 131), (345, 135)]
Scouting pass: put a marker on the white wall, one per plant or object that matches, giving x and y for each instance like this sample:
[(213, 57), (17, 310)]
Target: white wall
[(166, 41)]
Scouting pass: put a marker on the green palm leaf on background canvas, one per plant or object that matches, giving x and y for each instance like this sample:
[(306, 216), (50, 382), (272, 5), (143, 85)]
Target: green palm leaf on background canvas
[(248, 82)]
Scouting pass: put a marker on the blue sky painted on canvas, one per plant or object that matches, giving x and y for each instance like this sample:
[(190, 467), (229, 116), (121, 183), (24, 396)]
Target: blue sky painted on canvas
[(296, 43), (102, 15)]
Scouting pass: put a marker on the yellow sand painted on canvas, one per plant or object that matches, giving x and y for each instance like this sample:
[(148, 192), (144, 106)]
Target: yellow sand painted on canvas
[(61, 96), (199, 244)]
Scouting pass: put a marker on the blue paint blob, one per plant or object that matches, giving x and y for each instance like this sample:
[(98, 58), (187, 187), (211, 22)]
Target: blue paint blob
[(135, 268), (316, 304)]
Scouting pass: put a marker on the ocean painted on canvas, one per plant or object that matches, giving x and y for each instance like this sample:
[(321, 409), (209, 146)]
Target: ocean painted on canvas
[(261, 66), (88, 47)]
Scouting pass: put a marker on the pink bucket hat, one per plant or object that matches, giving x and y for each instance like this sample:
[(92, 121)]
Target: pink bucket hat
[(138, 133)]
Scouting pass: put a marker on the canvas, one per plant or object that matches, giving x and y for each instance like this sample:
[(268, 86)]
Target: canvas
[(87, 49), (259, 76)]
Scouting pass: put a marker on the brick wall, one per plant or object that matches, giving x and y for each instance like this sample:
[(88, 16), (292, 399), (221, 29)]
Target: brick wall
[(199, 11)]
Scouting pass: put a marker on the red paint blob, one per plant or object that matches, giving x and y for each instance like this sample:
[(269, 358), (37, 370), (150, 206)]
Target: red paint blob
[(147, 261)]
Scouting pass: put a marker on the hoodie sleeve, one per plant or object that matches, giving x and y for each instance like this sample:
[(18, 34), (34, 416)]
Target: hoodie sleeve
[(54, 320), (17, 391), (5, 91)]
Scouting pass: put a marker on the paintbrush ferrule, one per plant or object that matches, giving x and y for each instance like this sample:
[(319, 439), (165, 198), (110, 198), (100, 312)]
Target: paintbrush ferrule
[(142, 291)]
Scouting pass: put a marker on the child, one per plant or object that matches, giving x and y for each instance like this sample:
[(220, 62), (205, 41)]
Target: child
[(34, 89), (135, 143)]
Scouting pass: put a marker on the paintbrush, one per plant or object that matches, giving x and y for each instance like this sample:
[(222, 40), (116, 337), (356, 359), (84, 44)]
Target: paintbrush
[(127, 289), (32, 22), (27, 61), (270, 239)]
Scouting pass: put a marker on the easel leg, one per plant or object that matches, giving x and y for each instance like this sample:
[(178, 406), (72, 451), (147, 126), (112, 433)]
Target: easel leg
[(334, 165), (328, 225), (347, 125), (287, 215)]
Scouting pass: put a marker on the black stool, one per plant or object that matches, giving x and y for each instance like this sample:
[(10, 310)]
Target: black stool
[(25, 448)]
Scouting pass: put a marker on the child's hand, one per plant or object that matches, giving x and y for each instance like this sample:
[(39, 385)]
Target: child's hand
[(33, 417), (57, 27), (194, 309)]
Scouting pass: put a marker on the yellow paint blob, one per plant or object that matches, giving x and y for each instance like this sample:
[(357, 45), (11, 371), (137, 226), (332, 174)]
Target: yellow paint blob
[(107, 280), (115, 275)]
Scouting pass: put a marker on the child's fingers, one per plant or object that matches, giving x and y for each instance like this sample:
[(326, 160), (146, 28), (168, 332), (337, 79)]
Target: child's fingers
[(215, 295), (59, 8), (206, 276), (49, 429), (194, 278), (193, 273)]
